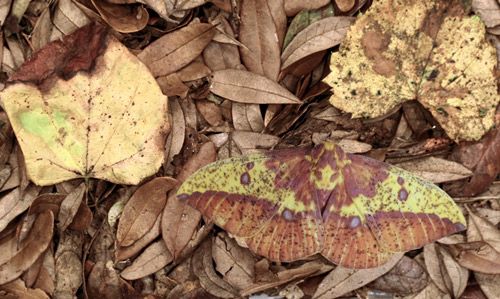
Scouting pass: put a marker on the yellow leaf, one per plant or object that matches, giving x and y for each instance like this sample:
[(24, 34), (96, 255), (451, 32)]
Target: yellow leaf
[(86, 107), (430, 51)]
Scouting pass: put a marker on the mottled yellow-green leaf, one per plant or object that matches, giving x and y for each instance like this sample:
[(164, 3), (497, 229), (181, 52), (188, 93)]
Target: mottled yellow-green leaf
[(430, 51), (86, 107)]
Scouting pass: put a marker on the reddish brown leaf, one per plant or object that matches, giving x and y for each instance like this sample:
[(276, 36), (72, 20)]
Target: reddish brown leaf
[(177, 49), (142, 209), (483, 158), (123, 253)]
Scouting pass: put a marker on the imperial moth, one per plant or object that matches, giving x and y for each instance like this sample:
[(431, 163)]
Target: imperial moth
[(289, 204)]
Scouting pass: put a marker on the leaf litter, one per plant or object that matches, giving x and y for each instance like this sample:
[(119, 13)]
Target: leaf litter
[(268, 97)]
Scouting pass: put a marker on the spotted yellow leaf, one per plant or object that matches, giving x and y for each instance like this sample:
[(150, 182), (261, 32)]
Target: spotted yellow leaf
[(290, 204)]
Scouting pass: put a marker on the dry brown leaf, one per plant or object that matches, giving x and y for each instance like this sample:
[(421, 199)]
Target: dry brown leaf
[(104, 282), (220, 56), (436, 170), (42, 30), (180, 220), (67, 18), (83, 218), (249, 142), (31, 248), (69, 207), (246, 87), (202, 265), (258, 32), (175, 139), (319, 36), (4, 10), (155, 257), (477, 256), (122, 18), (482, 230), (345, 5), (491, 215), (407, 277), (239, 117), (210, 111), (430, 292), (17, 289), (194, 71), (307, 269), (489, 10), (483, 158), (447, 274), (177, 49), (354, 146), (342, 280), (47, 276), (68, 265), (14, 203), (236, 264), (123, 253), (172, 85), (292, 7), (142, 210), (489, 284)]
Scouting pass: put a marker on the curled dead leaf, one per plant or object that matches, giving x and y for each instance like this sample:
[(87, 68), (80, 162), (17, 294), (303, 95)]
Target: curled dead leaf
[(69, 207)]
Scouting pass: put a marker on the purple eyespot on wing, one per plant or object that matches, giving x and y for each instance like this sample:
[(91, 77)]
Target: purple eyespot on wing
[(182, 196), (245, 178), (355, 222), (402, 194), (287, 214), (401, 181), (250, 165)]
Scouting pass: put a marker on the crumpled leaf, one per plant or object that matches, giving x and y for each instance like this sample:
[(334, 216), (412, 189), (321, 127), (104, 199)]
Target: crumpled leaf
[(236, 264), (17, 289), (203, 268), (81, 112), (430, 51), (69, 207)]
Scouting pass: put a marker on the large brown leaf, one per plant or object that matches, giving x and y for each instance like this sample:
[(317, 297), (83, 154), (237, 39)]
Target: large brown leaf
[(177, 49), (142, 209), (31, 248), (259, 34), (246, 87), (319, 36)]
